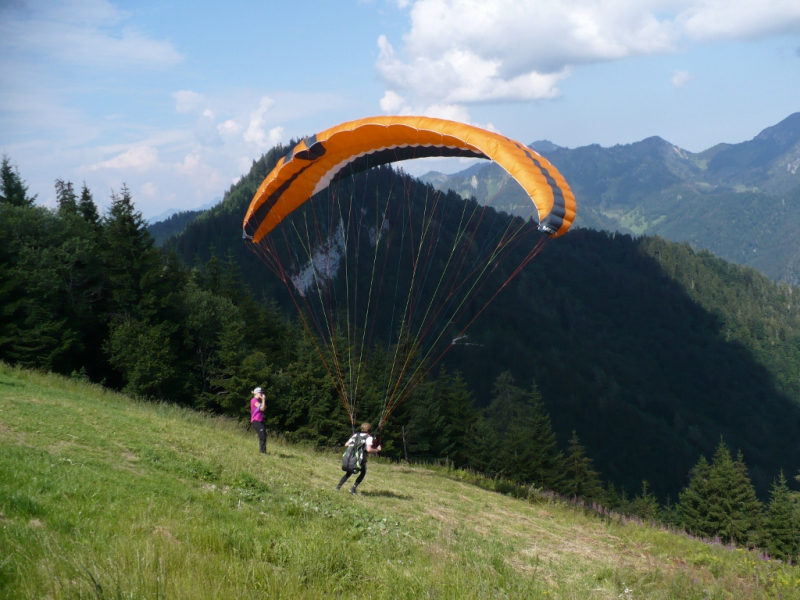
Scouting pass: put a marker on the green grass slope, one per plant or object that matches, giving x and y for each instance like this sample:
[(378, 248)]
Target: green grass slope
[(106, 497)]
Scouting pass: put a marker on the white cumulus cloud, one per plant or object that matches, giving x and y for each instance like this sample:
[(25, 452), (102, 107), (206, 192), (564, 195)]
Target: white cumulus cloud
[(138, 158), (189, 164), (469, 51), (229, 127), (149, 189), (453, 112), (461, 75), (86, 32), (394, 104), (256, 131), (681, 78), (206, 130), (187, 101)]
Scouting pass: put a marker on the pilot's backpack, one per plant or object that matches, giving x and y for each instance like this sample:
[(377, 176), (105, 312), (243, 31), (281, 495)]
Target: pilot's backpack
[(353, 457)]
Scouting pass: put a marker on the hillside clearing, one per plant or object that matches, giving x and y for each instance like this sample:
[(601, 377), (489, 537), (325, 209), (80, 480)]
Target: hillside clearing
[(106, 497)]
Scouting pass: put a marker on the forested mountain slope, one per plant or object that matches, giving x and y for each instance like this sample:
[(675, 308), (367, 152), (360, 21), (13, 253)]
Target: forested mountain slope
[(174, 224), (741, 201), (647, 348)]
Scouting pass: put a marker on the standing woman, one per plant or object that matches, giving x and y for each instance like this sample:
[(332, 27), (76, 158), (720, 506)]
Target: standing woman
[(257, 404)]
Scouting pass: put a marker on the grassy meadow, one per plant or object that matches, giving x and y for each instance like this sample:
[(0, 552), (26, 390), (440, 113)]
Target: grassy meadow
[(102, 496)]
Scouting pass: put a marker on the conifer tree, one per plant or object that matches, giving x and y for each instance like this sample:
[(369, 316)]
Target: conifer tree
[(12, 188), (507, 399), (87, 207), (144, 304), (734, 510), (66, 198), (483, 447), (50, 280), (580, 479), (441, 413), (528, 452), (645, 506), (306, 401), (669, 513), (458, 405), (428, 433), (611, 498), (694, 501), (781, 525), (129, 254), (748, 506), (533, 451)]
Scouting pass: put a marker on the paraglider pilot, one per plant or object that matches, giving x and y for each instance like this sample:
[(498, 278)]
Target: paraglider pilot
[(355, 457)]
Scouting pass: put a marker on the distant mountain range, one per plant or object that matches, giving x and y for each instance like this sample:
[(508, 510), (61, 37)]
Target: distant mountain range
[(172, 225), (174, 211), (740, 201), (173, 221)]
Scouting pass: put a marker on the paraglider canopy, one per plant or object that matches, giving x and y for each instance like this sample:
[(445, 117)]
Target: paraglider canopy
[(388, 273), (359, 145)]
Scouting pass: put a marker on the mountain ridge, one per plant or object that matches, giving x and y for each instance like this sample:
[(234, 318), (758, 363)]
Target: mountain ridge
[(722, 199)]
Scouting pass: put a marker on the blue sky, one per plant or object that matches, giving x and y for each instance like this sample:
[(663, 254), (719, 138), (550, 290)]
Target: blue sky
[(176, 99)]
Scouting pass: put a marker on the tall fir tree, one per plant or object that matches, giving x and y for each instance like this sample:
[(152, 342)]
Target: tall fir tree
[(440, 414), (580, 479), (694, 501), (13, 190), (427, 429), (129, 254), (87, 207), (483, 447), (781, 523), (750, 509), (144, 305), (458, 404), (533, 454), (528, 451), (734, 510), (506, 402), (66, 198)]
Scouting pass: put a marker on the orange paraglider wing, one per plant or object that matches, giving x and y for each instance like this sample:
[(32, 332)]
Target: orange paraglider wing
[(359, 145)]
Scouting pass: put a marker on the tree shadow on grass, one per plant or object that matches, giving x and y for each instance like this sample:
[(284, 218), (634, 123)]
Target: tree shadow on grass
[(386, 494)]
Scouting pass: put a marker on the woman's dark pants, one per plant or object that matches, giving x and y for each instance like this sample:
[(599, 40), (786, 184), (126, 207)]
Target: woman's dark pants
[(262, 436)]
